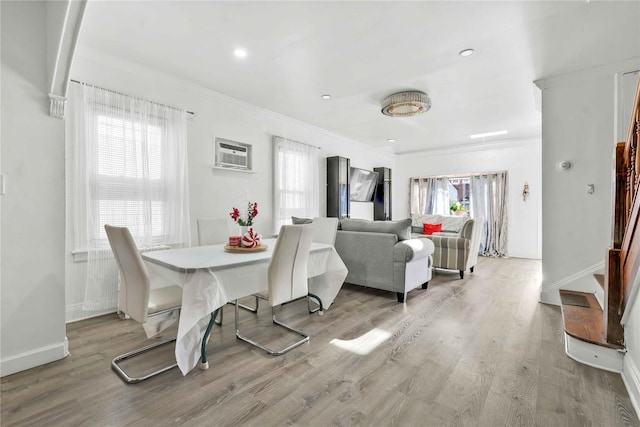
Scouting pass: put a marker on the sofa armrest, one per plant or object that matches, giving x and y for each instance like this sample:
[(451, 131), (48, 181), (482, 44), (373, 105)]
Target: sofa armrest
[(413, 249), (467, 229), (450, 242), (368, 257), (446, 234)]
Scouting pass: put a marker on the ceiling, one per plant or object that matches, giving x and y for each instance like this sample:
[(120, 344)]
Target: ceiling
[(359, 52)]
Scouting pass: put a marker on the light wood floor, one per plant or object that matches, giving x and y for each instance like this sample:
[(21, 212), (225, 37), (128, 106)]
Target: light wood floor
[(475, 352)]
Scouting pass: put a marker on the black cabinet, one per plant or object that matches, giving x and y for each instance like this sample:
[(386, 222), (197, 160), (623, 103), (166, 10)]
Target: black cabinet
[(382, 199), (338, 187)]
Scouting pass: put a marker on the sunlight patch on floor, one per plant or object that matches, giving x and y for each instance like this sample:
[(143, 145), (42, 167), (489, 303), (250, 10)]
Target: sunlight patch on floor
[(364, 344)]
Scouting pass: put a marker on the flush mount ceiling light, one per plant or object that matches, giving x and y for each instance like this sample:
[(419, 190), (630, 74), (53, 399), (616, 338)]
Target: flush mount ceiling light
[(406, 104), (240, 53), (466, 52), (326, 96)]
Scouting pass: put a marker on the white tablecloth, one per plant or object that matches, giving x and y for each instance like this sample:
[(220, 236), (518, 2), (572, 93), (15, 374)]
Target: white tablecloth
[(211, 277)]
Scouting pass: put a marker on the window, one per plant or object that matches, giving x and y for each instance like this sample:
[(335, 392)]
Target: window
[(296, 189), (126, 166), (291, 198), (460, 193), (482, 197), (128, 187)]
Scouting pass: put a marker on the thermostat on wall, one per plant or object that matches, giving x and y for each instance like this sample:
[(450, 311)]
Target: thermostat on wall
[(565, 165)]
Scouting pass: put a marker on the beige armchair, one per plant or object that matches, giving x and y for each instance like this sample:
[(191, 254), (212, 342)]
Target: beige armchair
[(458, 251)]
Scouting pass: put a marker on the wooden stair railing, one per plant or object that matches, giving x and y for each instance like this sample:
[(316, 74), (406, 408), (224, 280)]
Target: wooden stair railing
[(623, 259)]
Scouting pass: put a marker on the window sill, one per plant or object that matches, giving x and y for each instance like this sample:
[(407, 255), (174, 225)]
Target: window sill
[(234, 170), (83, 255)]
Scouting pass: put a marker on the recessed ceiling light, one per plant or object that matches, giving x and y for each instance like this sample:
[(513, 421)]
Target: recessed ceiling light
[(326, 96), (240, 53), (466, 52), (486, 134), (391, 140)]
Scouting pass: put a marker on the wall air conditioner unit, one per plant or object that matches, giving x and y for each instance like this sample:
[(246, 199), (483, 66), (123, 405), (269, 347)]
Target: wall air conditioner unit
[(232, 155)]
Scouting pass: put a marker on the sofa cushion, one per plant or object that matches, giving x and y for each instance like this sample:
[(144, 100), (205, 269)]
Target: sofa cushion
[(401, 228), (432, 228), (452, 224), (418, 219), (296, 220)]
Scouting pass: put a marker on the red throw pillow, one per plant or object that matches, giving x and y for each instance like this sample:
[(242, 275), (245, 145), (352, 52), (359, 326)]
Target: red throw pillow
[(432, 228)]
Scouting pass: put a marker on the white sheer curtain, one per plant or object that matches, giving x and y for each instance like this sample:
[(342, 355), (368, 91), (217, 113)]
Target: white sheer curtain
[(429, 195), (420, 195), (481, 208), (488, 194), (127, 166), (440, 198), (296, 189), (489, 201)]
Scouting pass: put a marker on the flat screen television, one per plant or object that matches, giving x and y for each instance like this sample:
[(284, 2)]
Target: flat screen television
[(363, 185)]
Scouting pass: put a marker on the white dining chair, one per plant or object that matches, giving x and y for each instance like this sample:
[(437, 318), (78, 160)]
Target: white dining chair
[(325, 230), (137, 298), (287, 279), (212, 231)]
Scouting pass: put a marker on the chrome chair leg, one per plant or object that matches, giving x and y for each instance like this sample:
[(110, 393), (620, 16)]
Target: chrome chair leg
[(277, 322), (246, 307), (258, 297), (132, 380)]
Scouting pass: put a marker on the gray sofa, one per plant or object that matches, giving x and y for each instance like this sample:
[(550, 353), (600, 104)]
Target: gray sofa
[(382, 255)]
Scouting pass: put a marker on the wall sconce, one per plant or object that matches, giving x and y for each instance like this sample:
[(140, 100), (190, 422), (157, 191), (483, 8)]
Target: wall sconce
[(525, 192)]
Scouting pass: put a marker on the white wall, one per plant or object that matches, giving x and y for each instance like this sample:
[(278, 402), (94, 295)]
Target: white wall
[(32, 276), (213, 192), (520, 158), (578, 125)]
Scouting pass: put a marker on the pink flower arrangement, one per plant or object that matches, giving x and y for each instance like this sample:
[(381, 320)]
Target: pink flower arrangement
[(252, 212)]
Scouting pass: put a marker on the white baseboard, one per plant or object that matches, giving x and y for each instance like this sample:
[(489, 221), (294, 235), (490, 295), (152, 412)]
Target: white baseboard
[(582, 281), (631, 377), (574, 280), (31, 359)]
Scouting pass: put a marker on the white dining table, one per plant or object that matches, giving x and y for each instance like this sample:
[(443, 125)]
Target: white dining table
[(210, 277)]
